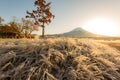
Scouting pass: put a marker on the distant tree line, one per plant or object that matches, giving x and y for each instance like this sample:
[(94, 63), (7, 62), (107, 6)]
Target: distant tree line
[(15, 29)]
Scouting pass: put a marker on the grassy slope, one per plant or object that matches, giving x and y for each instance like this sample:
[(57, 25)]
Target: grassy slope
[(58, 59)]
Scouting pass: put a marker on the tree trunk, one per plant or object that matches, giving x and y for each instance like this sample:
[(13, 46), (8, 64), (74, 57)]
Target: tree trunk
[(43, 31)]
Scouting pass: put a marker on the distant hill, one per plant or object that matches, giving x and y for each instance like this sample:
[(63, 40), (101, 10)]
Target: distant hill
[(79, 32)]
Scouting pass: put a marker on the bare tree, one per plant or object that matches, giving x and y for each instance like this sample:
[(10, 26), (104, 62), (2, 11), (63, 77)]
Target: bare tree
[(17, 30), (42, 15), (27, 27), (1, 20)]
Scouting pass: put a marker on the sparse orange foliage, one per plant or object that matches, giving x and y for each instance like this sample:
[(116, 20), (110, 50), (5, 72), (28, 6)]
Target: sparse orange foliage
[(42, 15)]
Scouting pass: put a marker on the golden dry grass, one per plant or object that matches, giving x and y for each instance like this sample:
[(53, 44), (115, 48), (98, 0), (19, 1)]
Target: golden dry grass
[(112, 43), (58, 59)]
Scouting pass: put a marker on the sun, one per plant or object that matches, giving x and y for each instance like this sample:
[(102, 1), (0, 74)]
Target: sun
[(102, 26)]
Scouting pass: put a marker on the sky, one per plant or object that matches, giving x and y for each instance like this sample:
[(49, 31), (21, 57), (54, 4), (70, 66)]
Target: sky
[(69, 14)]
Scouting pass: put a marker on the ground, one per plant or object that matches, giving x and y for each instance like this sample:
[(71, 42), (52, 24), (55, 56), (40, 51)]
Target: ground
[(59, 59)]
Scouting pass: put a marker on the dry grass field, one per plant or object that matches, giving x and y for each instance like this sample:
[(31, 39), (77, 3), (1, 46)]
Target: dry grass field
[(59, 59), (112, 43)]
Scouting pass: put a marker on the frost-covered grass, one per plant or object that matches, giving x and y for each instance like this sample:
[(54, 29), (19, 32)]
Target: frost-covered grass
[(112, 43), (58, 59)]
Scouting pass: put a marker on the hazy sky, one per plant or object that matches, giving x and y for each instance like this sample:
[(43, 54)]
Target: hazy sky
[(69, 14)]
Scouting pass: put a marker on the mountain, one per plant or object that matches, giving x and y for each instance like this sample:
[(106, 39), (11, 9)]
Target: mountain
[(79, 32)]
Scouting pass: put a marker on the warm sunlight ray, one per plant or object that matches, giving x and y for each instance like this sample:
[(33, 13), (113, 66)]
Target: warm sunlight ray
[(102, 26)]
